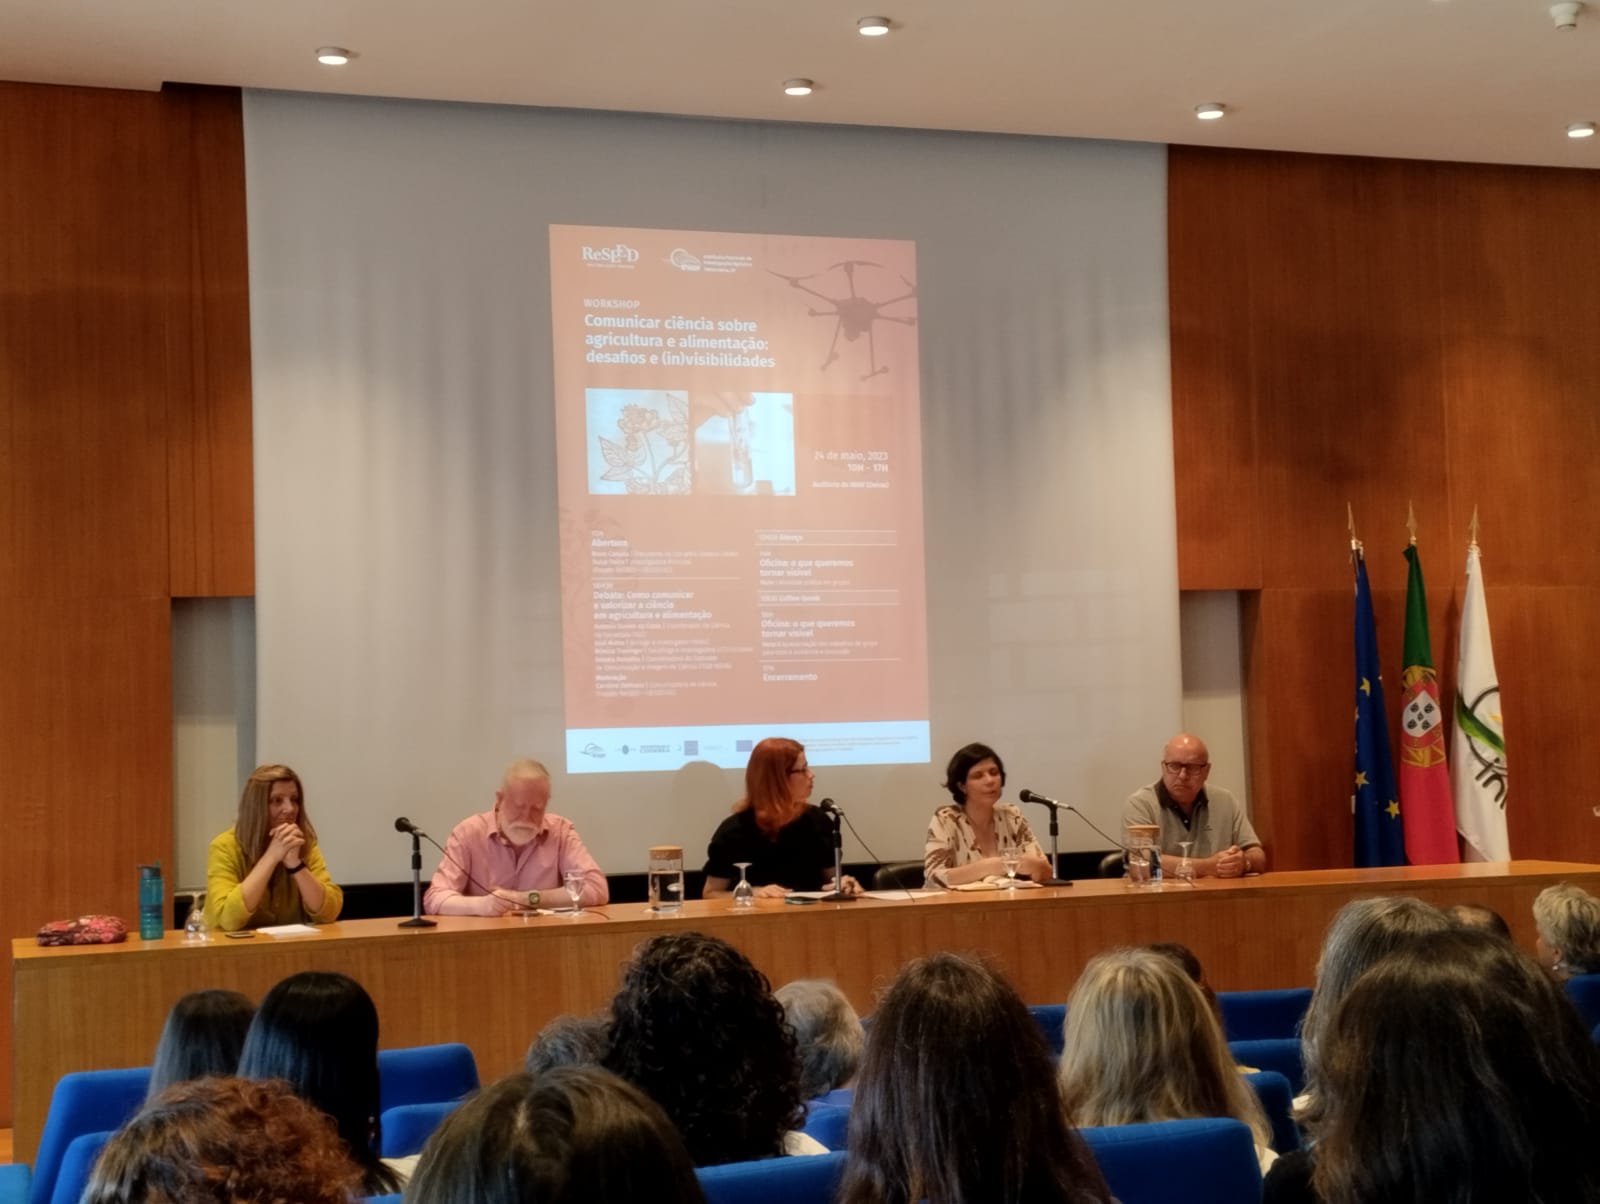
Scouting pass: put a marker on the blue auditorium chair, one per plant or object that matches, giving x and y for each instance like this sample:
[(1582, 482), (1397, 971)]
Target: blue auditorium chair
[(425, 1074), (1198, 1161), (85, 1101), (1273, 1053), (800, 1179), (1051, 1018), (1584, 991), (391, 1199), (839, 1095), (406, 1129), (827, 1124), (1256, 1015), (76, 1164), (1277, 1101)]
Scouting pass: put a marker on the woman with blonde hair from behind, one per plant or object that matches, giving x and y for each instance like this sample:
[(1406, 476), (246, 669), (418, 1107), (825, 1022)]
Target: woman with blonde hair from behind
[(1143, 1045)]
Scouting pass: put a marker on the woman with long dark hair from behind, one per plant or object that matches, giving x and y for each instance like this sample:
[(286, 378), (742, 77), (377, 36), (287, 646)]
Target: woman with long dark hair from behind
[(1454, 1072), (956, 1102), (572, 1135), (318, 1031), (203, 1035)]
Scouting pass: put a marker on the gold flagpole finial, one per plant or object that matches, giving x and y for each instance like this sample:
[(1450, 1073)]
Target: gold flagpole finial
[(1472, 528), (1350, 513), (1411, 522)]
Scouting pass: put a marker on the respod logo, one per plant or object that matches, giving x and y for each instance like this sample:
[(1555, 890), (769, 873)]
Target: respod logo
[(615, 256)]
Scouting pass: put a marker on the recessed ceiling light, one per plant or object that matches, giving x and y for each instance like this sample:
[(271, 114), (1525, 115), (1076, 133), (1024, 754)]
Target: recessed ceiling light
[(1581, 129), (872, 27), (798, 87), (333, 56), (1210, 112)]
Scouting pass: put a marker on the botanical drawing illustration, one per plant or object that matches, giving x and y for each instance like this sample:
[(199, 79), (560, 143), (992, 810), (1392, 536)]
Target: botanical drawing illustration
[(653, 454)]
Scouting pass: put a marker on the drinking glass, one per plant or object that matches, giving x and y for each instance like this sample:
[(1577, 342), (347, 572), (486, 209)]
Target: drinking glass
[(573, 880), (195, 928), (1184, 871), (1011, 857), (744, 895)]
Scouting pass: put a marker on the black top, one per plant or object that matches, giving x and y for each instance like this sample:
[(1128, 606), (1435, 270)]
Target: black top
[(796, 859), (1289, 1180)]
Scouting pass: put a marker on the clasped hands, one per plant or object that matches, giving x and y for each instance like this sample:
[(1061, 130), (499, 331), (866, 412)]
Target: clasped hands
[(1229, 863), (288, 843)]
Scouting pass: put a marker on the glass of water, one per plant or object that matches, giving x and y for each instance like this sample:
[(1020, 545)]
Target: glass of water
[(195, 928), (1184, 871), (573, 881), (1011, 858), (744, 895)]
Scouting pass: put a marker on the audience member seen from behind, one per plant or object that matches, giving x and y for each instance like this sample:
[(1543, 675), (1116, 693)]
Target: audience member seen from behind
[(1476, 915), (224, 1141), (506, 858), (1143, 1045), (203, 1035), (787, 843), (1453, 1070), (1190, 965), (956, 1101), (828, 1032), (1361, 932), (567, 1041), (1567, 920), (318, 1031), (966, 839), (695, 1027), (573, 1135), (267, 869)]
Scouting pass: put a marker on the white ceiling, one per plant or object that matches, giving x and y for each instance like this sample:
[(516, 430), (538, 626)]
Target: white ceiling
[(1485, 80)]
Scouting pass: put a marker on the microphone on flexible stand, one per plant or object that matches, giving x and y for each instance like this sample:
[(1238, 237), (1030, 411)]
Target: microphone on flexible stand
[(1028, 796), (832, 810), (402, 824)]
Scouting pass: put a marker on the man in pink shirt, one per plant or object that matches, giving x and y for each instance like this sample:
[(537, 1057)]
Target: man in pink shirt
[(516, 853)]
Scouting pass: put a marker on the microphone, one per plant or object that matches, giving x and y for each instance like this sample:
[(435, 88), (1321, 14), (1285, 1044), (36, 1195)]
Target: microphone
[(835, 815), (402, 824), (1028, 796), (828, 807)]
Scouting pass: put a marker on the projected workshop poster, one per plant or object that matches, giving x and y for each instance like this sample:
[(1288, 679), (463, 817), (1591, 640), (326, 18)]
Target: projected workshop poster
[(740, 476)]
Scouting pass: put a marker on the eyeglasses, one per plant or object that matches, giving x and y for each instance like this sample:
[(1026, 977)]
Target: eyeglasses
[(801, 769), (1179, 769)]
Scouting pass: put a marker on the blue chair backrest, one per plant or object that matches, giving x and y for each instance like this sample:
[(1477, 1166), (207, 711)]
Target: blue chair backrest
[(1254, 1015), (1051, 1018), (1277, 1101), (425, 1074), (1274, 1053), (76, 1164), (406, 1129), (1584, 991), (391, 1199), (1199, 1161), (85, 1101), (828, 1124), (801, 1179), (839, 1095)]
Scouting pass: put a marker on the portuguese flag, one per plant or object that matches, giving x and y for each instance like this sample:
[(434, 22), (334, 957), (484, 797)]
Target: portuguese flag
[(1424, 777)]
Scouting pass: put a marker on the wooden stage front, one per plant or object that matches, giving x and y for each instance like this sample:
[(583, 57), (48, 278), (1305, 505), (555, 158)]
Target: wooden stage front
[(493, 982)]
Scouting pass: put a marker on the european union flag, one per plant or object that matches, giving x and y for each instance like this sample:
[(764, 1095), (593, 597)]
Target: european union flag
[(1379, 836)]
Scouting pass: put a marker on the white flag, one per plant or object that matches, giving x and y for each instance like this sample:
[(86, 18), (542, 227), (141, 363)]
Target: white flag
[(1478, 748)]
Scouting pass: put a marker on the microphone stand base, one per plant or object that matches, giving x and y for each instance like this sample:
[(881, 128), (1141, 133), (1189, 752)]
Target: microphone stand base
[(836, 896), (416, 922)]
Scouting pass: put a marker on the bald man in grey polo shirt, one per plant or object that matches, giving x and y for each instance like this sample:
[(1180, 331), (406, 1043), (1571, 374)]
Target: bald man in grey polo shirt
[(1181, 804)]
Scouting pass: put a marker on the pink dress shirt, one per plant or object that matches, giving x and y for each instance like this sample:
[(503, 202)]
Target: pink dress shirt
[(541, 864)]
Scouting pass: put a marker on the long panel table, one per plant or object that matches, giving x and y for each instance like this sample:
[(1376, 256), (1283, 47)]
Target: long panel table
[(494, 982)]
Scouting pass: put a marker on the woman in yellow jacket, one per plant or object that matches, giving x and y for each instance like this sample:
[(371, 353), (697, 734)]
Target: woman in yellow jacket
[(267, 869)]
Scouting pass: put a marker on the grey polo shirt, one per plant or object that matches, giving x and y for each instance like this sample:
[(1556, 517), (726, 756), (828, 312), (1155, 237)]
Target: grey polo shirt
[(1216, 822)]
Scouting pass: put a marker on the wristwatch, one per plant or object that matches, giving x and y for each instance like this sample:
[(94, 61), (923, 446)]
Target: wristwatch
[(533, 900), (295, 869)]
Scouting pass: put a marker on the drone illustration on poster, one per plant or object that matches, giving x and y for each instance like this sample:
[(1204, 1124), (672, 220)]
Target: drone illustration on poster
[(853, 314)]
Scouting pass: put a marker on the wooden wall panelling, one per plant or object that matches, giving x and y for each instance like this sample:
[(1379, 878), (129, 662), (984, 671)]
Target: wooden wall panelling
[(211, 489), (1215, 472)]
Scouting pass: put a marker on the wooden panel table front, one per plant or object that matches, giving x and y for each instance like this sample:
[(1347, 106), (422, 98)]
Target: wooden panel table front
[(494, 982)]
